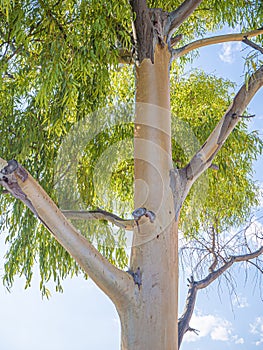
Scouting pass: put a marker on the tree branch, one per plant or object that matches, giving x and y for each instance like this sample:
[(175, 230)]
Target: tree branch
[(212, 250), (194, 286), (249, 256), (184, 320), (215, 274), (181, 51), (114, 282), (99, 214), (204, 157), (178, 16), (256, 266), (253, 45)]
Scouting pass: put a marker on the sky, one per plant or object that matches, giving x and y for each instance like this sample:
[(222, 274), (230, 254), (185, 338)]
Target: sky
[(84, 318), (224, 322)]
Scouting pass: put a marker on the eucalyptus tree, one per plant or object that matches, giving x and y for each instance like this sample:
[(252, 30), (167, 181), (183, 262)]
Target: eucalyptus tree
[(60, 63)]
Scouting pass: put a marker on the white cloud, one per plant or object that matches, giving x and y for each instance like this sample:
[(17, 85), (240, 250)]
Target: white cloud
[(215, 327), (221, 332), (256, 328), (209, 325), (228, 50), (238, 340), (240, 302)]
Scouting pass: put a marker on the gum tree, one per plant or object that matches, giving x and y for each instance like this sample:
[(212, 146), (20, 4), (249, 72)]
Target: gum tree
[(57, 63)]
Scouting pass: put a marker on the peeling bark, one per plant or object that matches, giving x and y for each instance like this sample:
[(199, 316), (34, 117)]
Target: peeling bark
[(143, 30)]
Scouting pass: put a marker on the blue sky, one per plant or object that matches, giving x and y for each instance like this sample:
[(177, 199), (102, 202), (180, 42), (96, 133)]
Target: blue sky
[(224, 325), (223, 322), (83, 317)]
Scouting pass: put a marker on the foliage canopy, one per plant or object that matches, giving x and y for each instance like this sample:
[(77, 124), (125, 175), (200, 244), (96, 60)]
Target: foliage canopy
[(59, 65)]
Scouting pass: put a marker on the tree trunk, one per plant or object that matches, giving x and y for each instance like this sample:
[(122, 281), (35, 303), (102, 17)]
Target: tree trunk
[(150, 321)]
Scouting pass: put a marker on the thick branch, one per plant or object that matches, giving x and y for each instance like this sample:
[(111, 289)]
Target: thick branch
[(204, 157), (181, 51), (114, 282), (184, 320), (99, 215), (246, 257), (178, 16)]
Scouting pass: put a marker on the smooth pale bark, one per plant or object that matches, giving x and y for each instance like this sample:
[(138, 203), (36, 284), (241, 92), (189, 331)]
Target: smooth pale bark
[(181, 51), (117, 284), (150, 322)]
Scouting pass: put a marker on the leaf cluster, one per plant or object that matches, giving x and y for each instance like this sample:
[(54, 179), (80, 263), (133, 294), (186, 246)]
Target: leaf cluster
[(222, 197)]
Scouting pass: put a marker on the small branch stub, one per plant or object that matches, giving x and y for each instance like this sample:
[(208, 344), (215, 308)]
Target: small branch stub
[(140, 212), (150, 214), (9, 181), (214, 167), (10, 168), (190, 329)]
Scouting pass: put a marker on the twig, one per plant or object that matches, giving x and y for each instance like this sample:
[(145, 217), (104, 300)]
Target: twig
[(253, 45), (196, 331), (256, 266), (99, 214)]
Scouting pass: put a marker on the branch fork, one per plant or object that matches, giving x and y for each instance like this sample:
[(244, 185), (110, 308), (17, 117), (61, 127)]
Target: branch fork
[(114, 282), (203, 159)]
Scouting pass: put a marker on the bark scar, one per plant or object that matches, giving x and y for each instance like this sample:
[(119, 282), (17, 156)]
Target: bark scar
[(137, 276), (8, 180)]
